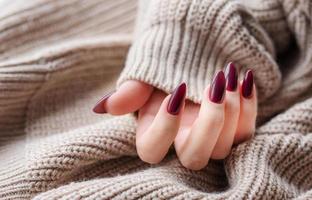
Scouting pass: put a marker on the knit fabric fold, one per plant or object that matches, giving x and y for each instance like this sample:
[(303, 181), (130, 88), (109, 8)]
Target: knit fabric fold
[(187, 41), (57, 58)]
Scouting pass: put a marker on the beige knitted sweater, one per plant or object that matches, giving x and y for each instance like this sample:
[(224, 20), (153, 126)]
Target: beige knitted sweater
[(58, 57)]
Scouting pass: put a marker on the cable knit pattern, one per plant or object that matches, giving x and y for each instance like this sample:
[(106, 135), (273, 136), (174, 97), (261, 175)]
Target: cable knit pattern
[(58, 57)]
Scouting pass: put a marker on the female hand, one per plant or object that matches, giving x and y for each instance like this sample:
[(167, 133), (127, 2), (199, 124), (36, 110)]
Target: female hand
[(226, 115)]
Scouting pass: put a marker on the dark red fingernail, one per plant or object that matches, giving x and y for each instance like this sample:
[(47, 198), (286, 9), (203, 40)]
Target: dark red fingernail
[(216, 92), (231, 77), (99, 106), (247, 85), (176, 99)]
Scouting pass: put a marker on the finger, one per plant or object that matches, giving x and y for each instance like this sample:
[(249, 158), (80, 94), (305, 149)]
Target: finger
[(153, 144), (189, 116), (248, 109), (148, 112), (129, 97), (232, 109), (195, 151)]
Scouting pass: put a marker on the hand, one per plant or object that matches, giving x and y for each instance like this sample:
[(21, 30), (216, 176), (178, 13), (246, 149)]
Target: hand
[(226, 115)]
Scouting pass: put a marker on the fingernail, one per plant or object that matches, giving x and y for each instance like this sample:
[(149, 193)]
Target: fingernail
[(216, 92), (99, 106), (231, 77), (176, 99), (247, 85)]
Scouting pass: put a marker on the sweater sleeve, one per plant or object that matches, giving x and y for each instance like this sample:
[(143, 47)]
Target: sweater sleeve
[(188, 40)]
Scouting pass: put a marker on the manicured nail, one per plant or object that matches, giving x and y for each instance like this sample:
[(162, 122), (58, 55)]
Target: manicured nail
[(247, 85), (176, 99), (231, 77), (216, 92), (99, 106)]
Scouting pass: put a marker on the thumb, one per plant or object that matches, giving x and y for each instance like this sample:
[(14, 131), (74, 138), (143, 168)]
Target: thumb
[(129, 97)]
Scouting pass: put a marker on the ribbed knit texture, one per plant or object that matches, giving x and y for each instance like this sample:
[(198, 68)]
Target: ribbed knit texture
[(58, 57)]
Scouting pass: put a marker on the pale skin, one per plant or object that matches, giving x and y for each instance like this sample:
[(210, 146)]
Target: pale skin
[(199, 132)]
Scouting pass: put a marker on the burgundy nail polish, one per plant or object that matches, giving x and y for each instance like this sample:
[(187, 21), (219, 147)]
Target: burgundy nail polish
[(247, 85), (99, 106), (217, 87), (231, 77), (176, 99)]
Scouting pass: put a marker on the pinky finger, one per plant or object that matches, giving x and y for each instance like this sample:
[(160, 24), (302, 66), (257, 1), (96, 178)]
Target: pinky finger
[(248, 109)]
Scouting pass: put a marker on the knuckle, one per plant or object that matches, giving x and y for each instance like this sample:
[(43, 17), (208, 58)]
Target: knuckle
[(251, 114), (218, 118), (146, 154), (233, 110), (149, 158), (219, 155), (233, 101), (195, 163)]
